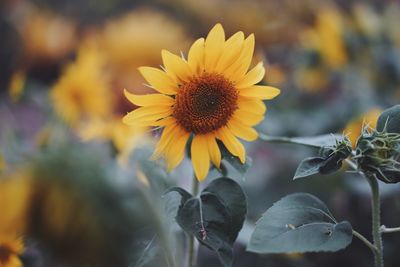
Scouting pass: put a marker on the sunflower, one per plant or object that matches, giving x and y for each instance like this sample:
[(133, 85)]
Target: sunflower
[(210, 96), (10, 248), (73, 94)]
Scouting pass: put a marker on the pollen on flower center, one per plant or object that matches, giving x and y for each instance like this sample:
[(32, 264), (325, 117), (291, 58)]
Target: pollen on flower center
[(205, 103)]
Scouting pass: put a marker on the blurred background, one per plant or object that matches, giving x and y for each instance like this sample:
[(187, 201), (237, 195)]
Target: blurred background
[(76, 188)]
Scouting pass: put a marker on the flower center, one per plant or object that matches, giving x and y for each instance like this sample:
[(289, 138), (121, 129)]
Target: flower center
[(205, 103)]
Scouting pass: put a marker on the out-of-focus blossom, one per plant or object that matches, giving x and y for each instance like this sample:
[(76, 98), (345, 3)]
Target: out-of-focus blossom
[(275, 75), (354, 127), (311, 79), (83, 91), (390, 19), (47, 37), (136, 39), (367, 19), (11, 246), (326, 38), (17, 84)]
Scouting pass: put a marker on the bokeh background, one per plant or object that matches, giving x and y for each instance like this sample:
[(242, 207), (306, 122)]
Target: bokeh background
[(75, 182)]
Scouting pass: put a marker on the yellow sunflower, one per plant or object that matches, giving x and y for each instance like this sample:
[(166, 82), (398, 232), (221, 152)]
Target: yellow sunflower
[(10, 248), (211, 96)]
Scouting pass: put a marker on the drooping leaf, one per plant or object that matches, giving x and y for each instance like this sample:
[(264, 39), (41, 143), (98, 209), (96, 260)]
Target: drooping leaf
[(311, 141), (299, 223), (232, 196), (174, 199), (234, 161), (390, 118)]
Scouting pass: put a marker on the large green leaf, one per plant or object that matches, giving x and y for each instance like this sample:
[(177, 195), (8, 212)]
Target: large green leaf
[(232, 196), (299, 223), (214, 218)]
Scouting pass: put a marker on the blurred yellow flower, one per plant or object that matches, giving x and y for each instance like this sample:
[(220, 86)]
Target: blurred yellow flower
[(354, 127), (15, 191), (83, 91), (10, 247), (211, 95), (122, 41), (3, 164), (17, 84), (326, 37)]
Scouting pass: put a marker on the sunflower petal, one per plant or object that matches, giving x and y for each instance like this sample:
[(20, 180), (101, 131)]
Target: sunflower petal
[(176, 150), (242, 131), (175, 66), (200, 156), (159, 80), (213, 46), (231, 143), (231, 51), (213, 150), (166, 137), (247, 118), (252, 105), (149, 100), (239, 68), (196, 56), (147, 114), (254, 76), (260, 92)]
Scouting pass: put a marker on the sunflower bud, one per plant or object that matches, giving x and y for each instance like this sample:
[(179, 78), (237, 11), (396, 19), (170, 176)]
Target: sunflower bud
[(378, 153)]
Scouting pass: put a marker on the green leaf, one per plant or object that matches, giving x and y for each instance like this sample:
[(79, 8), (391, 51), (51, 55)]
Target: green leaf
[(390, 118), (308, 167), (232, 196), (209, 221), (214, 218), (311, 141), (299, 223)]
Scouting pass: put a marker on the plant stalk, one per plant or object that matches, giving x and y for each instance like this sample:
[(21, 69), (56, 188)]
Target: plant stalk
[(192, 250), (376, 220), (365, 241), (387, 230)]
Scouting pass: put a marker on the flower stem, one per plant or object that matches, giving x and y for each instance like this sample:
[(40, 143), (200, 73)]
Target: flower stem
[(365, 241), (376, 220), (386, 230), (192, 251)]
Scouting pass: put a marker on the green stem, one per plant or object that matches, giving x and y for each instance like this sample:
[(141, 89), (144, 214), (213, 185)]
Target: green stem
[(365, 241), (386, 230), (192, 251), (376, 220)]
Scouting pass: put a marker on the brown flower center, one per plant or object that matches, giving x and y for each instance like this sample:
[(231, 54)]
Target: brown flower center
[(205, 103)]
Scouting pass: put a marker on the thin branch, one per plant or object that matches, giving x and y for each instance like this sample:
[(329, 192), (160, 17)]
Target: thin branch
[(365, 241), (386, 230)]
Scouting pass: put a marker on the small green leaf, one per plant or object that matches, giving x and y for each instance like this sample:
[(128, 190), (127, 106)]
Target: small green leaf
[(308, 167), (390, 118), (299, 223), (232, 196)]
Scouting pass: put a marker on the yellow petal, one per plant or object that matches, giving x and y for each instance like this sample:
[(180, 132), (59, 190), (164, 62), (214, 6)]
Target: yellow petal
[(213, 150), (213, 47), (13, 261), (239, 68), (242, 131), (200, 156), (247, 118), (254, 76), (231, 51), (149, 100), (166, 137), (147, 114), (176, 150), (260, 92), (159, 80), (175, 66), (231, 143), (252, 105), (196, 56)]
